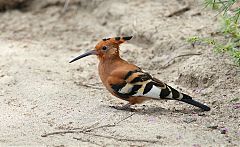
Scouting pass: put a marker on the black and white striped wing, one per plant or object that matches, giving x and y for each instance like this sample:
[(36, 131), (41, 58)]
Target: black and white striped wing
[(139, 83)]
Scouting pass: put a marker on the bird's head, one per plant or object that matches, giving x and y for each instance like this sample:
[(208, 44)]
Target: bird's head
[(106, 49)]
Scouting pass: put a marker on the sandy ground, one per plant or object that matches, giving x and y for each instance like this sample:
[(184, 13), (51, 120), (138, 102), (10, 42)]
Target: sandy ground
[(40, 92)]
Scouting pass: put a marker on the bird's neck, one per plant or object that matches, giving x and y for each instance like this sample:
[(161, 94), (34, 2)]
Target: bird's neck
[(111, 63), (105, 67)]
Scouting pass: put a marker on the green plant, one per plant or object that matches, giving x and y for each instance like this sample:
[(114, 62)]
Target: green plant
[(224, 6), (229, 29), (235, 99)]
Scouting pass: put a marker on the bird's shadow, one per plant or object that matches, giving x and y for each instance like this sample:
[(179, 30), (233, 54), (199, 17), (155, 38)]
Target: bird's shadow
[(159, 111), (163, 111)]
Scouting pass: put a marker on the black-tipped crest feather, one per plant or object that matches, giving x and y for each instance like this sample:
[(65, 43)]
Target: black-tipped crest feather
[(127, 37)]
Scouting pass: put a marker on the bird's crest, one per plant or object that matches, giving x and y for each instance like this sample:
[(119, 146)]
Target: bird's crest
[(115, 41), (118, 40)]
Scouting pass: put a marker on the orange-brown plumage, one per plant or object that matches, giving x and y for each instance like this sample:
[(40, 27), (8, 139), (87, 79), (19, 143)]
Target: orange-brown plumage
[(114, 73), (129, 82)]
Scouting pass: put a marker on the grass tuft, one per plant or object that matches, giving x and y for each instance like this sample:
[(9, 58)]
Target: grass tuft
[(229, 29)]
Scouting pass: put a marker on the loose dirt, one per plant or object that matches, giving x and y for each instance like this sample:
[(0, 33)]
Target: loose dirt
[(41, 93)]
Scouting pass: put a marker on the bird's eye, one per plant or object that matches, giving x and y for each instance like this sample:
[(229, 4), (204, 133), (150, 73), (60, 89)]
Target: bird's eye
[(104, 48)]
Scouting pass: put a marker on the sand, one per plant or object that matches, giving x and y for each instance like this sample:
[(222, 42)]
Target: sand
[(40, 92)]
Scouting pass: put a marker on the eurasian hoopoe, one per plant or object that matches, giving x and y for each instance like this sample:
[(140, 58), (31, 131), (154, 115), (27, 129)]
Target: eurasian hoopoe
[(129, 82)]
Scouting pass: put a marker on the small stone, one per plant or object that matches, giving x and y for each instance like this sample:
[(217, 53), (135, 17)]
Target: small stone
[(223, 130), (190, 120), (213, 126), (201, 114), (196, 145), (159, 137), (214, 102)]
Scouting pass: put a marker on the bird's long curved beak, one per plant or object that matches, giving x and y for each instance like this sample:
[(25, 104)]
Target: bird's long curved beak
[(92, 52)]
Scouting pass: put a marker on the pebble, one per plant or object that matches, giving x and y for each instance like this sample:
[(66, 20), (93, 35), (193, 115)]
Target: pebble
[(212, 126), (190, 120), (223, 130)]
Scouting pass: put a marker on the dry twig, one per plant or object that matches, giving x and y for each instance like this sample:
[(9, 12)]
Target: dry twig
[(173, 59), (88, 129), (91, 86), (87, 140), (111, 137), (65, 6), (179, 11), (60, 132), (120, 139)]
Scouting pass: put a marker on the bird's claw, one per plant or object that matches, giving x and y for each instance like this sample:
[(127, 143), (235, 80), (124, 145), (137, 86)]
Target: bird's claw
[(126, 108)]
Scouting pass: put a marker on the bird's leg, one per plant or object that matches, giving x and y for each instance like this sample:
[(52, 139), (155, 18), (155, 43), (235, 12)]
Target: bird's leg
[(126, 107)]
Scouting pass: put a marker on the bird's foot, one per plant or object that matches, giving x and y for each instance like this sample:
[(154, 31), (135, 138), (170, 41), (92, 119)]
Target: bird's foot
[(126, 107)]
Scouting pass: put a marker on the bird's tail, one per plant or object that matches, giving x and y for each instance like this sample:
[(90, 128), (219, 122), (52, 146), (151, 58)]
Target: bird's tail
[(189, 100), (176, 95)]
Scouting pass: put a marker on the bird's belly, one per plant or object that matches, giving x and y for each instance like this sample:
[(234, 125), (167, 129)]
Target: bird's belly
[(137, 100)]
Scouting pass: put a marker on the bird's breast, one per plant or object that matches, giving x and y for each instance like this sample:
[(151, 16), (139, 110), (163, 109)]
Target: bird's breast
[(104, 72)]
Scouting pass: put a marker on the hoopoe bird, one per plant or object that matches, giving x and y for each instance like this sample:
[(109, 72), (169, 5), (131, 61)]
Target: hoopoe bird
[(129, 82)]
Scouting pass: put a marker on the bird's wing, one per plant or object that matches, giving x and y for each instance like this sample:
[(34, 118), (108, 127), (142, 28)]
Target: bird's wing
[(141, 84), (138, 83)]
